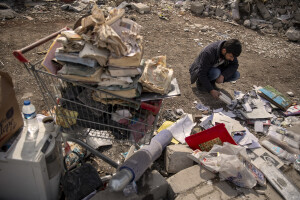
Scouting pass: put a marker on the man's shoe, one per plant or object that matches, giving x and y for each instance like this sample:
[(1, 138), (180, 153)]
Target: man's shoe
[(199, 86)]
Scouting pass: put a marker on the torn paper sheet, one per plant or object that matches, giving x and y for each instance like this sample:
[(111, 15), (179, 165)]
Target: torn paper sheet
[(257, 113), (217, 110), (182, 128), (248, 138), (201, 107), (106, 37), (206, 122), (225, 98), (229, 114), (231, 125)]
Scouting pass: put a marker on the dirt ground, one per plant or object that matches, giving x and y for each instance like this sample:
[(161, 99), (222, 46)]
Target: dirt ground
[(265, 60)]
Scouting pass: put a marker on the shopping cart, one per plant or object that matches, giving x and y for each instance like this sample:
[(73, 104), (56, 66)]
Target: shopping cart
[(81, 116)]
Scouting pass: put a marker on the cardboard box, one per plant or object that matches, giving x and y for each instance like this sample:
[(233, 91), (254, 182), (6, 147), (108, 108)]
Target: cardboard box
[(10, 115)]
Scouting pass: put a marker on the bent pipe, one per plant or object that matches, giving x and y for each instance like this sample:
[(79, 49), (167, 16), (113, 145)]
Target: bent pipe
[(134, 167)]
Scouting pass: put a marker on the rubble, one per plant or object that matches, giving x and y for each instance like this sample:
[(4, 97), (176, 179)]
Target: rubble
[(141, 8), (174, 153), (250, 140), (254, 14), (6, 12)]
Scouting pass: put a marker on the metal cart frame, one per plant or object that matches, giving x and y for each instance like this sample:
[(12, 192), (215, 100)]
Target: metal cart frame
[(86, 117)]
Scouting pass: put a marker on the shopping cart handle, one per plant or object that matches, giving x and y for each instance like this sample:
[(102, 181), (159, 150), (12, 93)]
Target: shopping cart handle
[(19, 53)]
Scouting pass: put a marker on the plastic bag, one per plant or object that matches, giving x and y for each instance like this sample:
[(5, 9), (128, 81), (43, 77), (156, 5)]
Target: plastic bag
[(226, 160)]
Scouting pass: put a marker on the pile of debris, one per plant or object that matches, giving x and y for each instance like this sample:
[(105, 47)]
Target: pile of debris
[(270, 17), (223, 144)]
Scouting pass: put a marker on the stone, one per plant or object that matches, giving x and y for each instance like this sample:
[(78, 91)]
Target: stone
[(283, 2), (176, 158), (186, 197), (211, 13), (291, 94), (293, 34), (277, 25), (6, 12), (206, 14), (141, 8), (204, 190), (212, 196), (226, 191), (247, 23), (155, 187), (188, 179), (297, 16), (197, 8), (281, 11), (263, 10), (204, 28), (219, 12)]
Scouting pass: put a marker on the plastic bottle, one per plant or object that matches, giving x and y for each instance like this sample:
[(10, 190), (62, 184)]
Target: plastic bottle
[(31, 121)]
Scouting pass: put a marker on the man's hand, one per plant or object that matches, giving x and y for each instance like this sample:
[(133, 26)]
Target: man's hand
[(220, 79), (215, 94)]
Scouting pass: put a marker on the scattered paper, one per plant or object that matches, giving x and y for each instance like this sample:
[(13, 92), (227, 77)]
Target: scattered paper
[(259, 126), (201, 107), (182, 128), (231, 125)]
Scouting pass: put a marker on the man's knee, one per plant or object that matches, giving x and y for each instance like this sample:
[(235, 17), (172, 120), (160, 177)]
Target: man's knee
[(214, 73)]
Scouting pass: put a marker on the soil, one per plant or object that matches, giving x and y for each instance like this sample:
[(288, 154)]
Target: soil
[(265, 60)]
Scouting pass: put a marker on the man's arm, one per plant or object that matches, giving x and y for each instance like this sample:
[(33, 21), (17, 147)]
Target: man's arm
[(204, 66)]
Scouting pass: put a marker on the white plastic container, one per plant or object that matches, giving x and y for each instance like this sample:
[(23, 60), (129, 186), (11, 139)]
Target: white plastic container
[(32, 124)]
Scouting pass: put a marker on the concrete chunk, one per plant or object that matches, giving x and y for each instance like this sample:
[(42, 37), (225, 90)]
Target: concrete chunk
[(155, 187), (141, 8), (263, 10), (197, 8), (293, 34), (186, 197), (176, 158), (225, 190), (188, 179)]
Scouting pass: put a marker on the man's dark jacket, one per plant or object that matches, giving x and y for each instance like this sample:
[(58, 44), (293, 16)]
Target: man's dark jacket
[(208, 57)]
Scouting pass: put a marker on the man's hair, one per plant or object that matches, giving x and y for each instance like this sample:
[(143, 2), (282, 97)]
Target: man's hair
[(233, 46)]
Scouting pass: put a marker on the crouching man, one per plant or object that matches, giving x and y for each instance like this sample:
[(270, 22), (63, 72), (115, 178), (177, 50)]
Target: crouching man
[(217, 63)]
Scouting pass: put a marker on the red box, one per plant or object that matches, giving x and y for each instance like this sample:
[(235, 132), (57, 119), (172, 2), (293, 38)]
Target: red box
[(217, 131)]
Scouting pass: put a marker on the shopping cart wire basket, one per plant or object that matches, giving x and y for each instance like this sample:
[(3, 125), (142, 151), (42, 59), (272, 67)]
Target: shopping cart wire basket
[(76, 109)]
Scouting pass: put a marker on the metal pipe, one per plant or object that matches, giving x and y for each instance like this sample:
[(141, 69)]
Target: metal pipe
[(95, 152), (135, 166)]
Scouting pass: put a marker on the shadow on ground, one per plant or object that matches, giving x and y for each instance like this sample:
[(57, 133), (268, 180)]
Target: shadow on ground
[(206, 99)]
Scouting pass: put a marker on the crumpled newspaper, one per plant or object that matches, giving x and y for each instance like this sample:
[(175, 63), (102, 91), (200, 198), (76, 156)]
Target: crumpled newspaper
[(157, 76)]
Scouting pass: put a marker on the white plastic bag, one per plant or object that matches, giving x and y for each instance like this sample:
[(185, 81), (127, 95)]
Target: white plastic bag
[(226, 160)]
